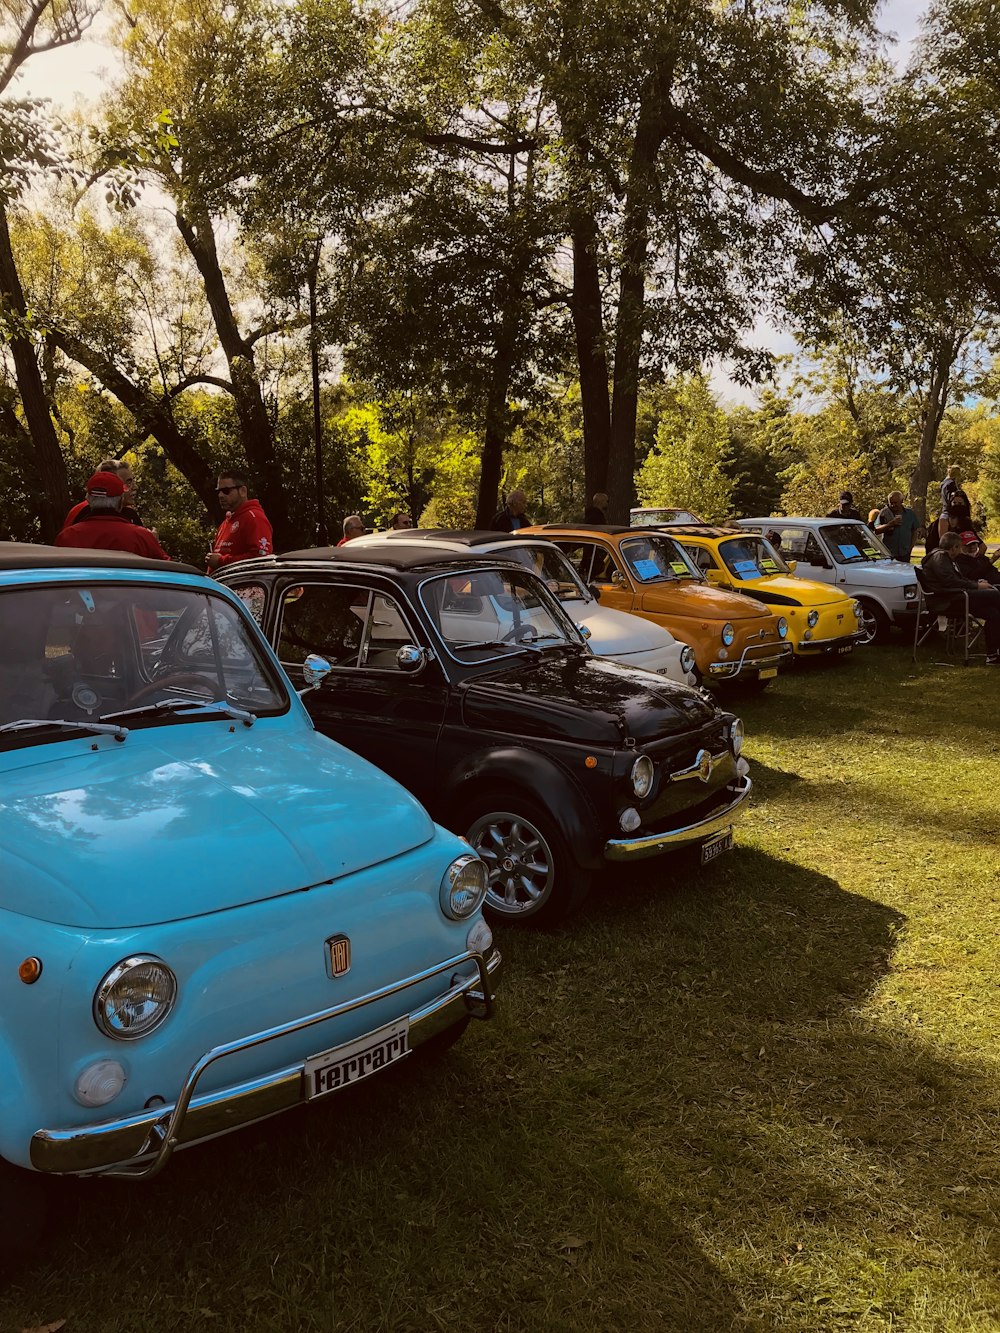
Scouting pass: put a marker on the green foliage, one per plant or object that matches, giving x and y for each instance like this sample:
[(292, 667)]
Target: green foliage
[(687, 465)]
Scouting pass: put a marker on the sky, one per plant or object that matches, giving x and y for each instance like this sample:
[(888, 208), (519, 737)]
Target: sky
[(77, 75)]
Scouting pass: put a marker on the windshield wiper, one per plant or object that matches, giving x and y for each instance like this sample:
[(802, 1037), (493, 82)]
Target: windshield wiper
[(492, 643), (187, 707), (33, 723)]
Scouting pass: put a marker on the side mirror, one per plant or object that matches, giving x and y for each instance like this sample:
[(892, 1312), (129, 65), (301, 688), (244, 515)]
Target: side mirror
[(315, 670), (584, 630), (616, 579), (411, 658), (715, 576), (792, 565), (595, 591)]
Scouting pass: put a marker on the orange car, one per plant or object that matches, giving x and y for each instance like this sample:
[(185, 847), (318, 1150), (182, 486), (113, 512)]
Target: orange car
[(633, 569)]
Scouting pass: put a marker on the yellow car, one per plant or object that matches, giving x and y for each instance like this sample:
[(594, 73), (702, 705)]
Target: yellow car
[(821, 621)]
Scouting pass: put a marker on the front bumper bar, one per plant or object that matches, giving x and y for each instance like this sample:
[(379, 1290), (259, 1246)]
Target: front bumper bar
[(829, 645), (749, 665), (653, 844), (139, 1146)]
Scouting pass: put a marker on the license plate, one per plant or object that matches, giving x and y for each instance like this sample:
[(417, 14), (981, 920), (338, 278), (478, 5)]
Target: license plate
[(842, 652), (716, 846), (767, 673), (358, 1059)]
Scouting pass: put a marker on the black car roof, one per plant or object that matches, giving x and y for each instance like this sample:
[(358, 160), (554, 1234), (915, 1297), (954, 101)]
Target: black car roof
[(460, 536), (26, 555), (392, 555)]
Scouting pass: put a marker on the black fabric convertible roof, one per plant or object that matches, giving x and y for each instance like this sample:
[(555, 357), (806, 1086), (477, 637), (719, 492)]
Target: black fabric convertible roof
[(25, 555), (391, 555)]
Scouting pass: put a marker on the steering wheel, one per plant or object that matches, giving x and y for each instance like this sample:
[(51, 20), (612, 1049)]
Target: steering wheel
[(187, 679), (528, 634)]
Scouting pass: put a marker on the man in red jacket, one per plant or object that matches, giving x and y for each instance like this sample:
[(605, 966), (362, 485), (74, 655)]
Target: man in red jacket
[(103, 526), (245, 531)]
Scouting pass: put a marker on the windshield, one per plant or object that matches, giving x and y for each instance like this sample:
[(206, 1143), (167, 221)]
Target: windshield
[(850, 543), (489, 613), (751, 557), (549, 563), (87, 652), (654, 518), (658, 559)]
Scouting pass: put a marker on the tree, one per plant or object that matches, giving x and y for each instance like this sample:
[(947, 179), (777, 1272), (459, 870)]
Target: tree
[(687, 465)]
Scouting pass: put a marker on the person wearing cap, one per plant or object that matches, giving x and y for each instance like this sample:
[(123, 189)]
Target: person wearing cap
[(973, 561), (943, 574), (123, 470), (898, 526), (845, 509), (103, 526), (245, 531)]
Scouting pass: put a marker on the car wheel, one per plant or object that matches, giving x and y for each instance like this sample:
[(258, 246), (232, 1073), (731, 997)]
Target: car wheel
[(533, 874), (874, 623), (22, 1214)]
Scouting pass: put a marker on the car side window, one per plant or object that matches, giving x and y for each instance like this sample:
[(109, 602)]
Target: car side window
[(347, 625), (702, 557), (580, 555), (254, 598)]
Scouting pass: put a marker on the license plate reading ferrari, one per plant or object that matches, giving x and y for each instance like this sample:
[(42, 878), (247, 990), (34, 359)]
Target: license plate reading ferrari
[(332, 1070), (716, 846)]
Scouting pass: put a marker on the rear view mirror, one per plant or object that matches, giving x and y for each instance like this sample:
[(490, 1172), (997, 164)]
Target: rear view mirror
[(595, 591), (411, 658), (792, 565), (715, 576), (315, 670)]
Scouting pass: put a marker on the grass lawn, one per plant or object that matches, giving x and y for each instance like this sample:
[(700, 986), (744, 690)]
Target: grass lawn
[(764, 1097)]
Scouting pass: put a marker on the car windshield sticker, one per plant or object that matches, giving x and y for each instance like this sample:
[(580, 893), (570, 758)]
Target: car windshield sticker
[(870, 550), (747, 569), (679, 567), (768, 564), (647, 569), (849, 552)]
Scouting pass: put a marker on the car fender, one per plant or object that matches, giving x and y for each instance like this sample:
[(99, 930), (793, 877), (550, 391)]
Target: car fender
[(542, 781)]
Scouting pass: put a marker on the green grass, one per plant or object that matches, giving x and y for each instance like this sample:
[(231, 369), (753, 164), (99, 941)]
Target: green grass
[(761, 1098)]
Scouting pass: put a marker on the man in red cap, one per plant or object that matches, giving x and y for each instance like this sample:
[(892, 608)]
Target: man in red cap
[(245, 531), (104, 527)]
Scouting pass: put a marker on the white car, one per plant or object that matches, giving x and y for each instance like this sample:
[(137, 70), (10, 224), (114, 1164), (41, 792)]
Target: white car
[(848, 555), (615, 634)]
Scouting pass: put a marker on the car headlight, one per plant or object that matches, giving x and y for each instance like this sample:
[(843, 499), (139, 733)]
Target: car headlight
[(728, 634), (135, 997), (910, 592), (688, 659), (463, 887), (642, 776), (858, 612), (812, 619), (736, 737), (782, 627)]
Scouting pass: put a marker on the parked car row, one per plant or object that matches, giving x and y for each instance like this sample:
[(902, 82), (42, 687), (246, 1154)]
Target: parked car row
[(212, 912)]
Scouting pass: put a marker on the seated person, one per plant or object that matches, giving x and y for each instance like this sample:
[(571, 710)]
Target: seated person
[(943, 574), (973, 561)]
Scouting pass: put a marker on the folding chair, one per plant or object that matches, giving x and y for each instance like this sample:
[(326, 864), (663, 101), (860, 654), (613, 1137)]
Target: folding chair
[(962, 628)]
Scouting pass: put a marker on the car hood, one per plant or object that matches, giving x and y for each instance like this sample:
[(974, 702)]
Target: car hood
[(688, 597), (879, 573), (790, 590), (617, 633), (582, 698), (179, 821)]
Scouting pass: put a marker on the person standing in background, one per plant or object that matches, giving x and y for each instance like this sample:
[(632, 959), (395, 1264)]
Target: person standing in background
[(898, 526), (512, 516), (245, 531)]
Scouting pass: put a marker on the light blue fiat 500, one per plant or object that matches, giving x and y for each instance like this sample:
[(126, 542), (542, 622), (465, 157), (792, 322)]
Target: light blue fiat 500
[(208, 911)]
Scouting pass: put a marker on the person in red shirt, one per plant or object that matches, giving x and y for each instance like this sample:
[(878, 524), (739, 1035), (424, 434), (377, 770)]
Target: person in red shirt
[(103, 527), (245, 531)]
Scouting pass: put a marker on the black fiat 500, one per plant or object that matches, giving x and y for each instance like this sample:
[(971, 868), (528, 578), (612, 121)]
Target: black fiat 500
[(465, 680)]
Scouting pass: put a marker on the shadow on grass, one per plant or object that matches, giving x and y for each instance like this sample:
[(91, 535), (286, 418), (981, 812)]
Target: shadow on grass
[(678, 1109)]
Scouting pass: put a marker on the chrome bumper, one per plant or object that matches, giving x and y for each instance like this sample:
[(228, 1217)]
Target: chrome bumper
[(727, 670), (652, 844), (139, 1146), (830, 645)]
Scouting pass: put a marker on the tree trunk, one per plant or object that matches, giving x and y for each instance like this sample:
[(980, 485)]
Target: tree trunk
[(931, 416), (53, 491), (255, 425), (592, 355), (631, 310), (495, 432), (151, 414)]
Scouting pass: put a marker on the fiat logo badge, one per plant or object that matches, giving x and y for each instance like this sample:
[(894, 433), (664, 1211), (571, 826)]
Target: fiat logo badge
[(338, 955)]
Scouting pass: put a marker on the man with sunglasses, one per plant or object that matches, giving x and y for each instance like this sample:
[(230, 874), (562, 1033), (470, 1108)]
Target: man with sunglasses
[(245, 531)]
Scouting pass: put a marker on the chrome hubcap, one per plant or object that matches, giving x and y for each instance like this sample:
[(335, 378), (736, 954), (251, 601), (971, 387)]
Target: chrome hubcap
[(518, 859)]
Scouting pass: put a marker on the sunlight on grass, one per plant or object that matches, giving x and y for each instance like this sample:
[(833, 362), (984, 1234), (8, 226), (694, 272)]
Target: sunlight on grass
[(761, 1098)]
